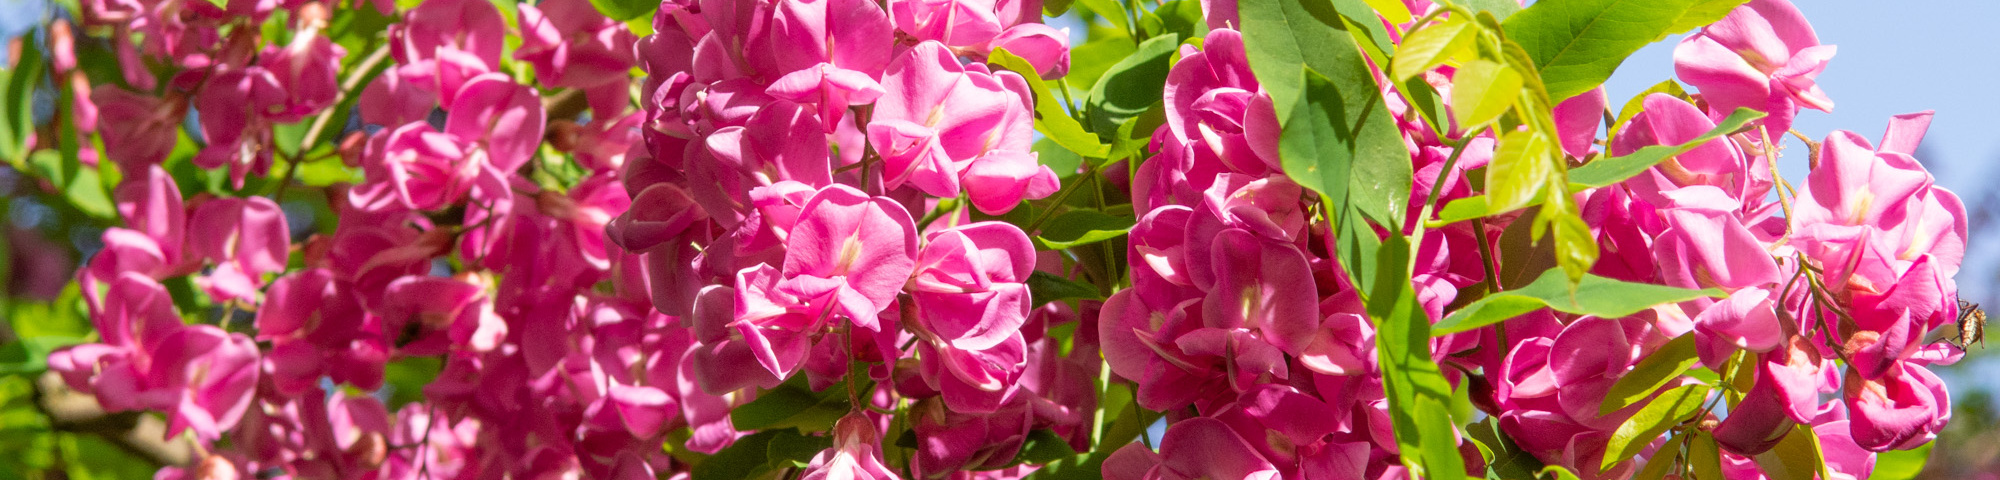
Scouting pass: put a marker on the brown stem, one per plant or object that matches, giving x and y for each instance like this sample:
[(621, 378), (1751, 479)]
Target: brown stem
[(135, 432)]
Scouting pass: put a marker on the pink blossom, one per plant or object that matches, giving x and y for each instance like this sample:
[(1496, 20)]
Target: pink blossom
[(1763, 56)]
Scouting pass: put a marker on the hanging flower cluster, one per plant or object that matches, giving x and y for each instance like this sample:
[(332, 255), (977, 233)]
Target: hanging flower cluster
[(837, 239)]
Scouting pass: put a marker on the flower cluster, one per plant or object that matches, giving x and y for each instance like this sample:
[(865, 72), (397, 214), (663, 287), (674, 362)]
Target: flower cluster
[(786, 145), (1275, 379), (820, 236)]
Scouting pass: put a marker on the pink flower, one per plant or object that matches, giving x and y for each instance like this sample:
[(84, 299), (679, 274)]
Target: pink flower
[(244, 238), (1763, 56), (571, 45), (849, 36), (856, 453), (428, 315), (1741, 179), (419, 168), (503, 118), (214, 374), (968, 284), (138, 130), (1899, 411), (851, 251), (939, 118)]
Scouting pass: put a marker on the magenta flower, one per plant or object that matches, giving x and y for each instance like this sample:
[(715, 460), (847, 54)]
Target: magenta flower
[(851, 252), (214, 374), (571, 45), (1763, 56), (245, 239), (856, 453), (968, 284)]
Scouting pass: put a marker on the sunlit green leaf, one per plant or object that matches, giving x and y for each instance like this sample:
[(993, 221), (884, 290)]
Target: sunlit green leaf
[(1901, 464), (1431, 46), (1577, 43), (1596, 296), (623, 10), (1481, 91), (1652, 372), (1665, 411), (1612, 170), (1050, 117), (1797, 456), (1519, 171), (1131, 85), (1700, 13), (1082, 227)]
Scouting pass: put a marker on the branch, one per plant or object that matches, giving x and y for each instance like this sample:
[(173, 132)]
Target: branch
[(135, 432)]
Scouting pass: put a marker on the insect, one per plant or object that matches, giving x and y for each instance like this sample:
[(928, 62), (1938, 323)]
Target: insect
[(1971, 325)]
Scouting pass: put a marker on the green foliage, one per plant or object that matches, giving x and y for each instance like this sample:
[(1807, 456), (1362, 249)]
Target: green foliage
[(1901, 464), (792, 405), (1044, 288), (1082, 227), (1130, 86), (17, 89), (624, 10), (1662, 413), (1577, 43), (1050, 118), (1597, 296), (1655, 371)]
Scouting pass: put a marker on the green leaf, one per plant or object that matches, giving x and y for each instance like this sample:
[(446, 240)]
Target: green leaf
[(1576, 247), (1612, 170), (1481, 91), (1338, 148), (17, 95), (1055, 8), (1599, 173), (1461, 210), (1060, 160), (1392, 10), (1700, 14), (1044, 287), (1043, 446), (1110, 10), (792, 404), (1519, 170), (1797, 456), (87, 193), (1705, 457), (1416, 389), (1179, 17), (747, 458), (1901, 464), (1131, 85), (1136, 133), (1050, 118), (1282, 37), (625, 10), (1595, 296), (1431, 46), (1652, 372), (1501, 9), (1505, 459), (1578, 43), (1558, 471), (1657, 466), (1665, 411), (791, 449), (1088, 62), (1082, 227)]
